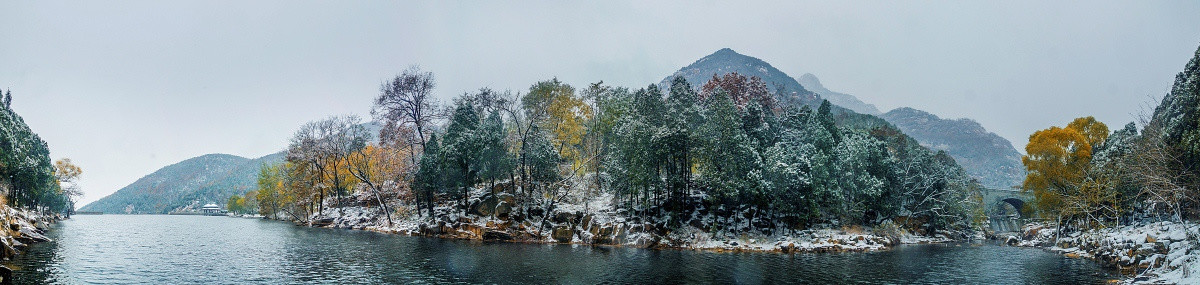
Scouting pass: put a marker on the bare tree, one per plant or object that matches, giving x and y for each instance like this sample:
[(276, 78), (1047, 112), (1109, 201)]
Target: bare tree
[(319, 149), (406, 107), (1159, 168), (382, 170), (406, 102)]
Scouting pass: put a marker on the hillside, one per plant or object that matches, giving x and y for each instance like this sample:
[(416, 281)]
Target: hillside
[(726, 60), (203, 179), (985, 155)]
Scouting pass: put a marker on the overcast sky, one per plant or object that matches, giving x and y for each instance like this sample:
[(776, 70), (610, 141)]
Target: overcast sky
[(127, 87)]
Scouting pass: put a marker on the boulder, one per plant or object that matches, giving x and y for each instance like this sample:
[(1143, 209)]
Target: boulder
[(562, 234), (324, 222), (1012, 240), (497, 235), (586, 221), (503, 209), (787, 248), (506, 198), (562, 217), (475, 230), (486, 206)]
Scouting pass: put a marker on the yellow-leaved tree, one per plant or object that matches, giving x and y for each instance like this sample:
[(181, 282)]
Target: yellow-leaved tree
[(1060, 176), (565, 116)]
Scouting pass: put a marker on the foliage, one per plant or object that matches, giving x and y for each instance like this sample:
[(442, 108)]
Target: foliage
[(1061, 176), (27, 177)]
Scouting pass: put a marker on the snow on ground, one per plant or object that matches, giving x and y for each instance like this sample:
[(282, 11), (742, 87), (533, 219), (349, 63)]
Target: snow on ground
[(1157, 253), (595, 220)]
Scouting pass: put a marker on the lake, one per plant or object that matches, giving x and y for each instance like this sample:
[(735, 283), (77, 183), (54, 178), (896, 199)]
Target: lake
[(122, 249)]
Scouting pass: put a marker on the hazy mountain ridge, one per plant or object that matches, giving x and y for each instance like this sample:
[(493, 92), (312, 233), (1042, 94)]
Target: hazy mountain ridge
[(810, 82), (206, 178), (985, 155)]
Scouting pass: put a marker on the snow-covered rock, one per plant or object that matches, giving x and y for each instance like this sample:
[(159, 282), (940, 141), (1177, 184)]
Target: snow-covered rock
[(1154, 253)]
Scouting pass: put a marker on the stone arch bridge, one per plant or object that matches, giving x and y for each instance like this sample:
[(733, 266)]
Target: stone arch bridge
[(1003, 207)]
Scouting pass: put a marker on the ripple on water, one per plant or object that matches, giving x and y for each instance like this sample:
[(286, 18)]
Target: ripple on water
[(118, 249)]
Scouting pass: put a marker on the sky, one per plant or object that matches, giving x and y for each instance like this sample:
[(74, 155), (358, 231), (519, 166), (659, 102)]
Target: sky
[(124, 88)]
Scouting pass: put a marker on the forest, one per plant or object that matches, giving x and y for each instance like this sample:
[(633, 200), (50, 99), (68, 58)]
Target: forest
[(1084, 176), (728, 144), (28, 179)]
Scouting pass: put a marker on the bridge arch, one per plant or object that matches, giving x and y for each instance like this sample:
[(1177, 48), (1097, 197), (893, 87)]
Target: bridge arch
[(1016, 204)]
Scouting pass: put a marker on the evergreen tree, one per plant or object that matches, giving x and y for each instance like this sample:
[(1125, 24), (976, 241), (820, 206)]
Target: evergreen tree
[(730, 164), (429, 178), (496, 162), (463, 149)]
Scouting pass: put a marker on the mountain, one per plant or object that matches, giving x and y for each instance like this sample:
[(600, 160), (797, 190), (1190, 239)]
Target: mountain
[(210, 178), (986, 156), (726, 61), (810, 81)]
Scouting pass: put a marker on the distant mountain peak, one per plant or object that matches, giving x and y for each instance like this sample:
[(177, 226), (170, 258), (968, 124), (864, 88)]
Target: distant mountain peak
[(809, 77), (725, 51), (811, 82), (807, 91), (726, 60)]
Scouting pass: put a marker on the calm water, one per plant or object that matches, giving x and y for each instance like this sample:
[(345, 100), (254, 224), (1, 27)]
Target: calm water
[(219, 250)]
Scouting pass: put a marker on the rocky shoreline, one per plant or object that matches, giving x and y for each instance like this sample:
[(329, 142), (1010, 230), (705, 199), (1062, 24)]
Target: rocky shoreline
[(1153, 253), (22, 228), (491, 218)]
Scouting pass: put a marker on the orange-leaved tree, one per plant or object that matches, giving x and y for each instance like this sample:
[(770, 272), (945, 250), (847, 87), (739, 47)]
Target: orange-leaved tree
[(1058, 161)]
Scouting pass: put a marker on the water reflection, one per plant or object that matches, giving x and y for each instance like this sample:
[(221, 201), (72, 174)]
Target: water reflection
[(220, 250)]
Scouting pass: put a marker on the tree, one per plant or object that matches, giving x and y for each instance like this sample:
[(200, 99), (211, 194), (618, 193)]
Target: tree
[(862, 167), (319, 150), (1093, 131), (496, 162), (429, 178), (463, 149), (66, 173), (1058, 161), (681, 136), (1167, 164), (236, 204), (406, 101), (380, 169), (271, 189), (740, 89), (26, 173), (729, 163), (563, 114)]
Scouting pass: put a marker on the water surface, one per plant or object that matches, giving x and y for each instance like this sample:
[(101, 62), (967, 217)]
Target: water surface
[(121, 249)]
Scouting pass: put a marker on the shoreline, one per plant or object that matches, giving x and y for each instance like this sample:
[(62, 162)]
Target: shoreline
[(21, 229), (1144, 253), (586, 230)]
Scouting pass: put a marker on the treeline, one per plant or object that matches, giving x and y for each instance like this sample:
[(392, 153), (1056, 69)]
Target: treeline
[(730, 145), (27, 177), (1084, 176)]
